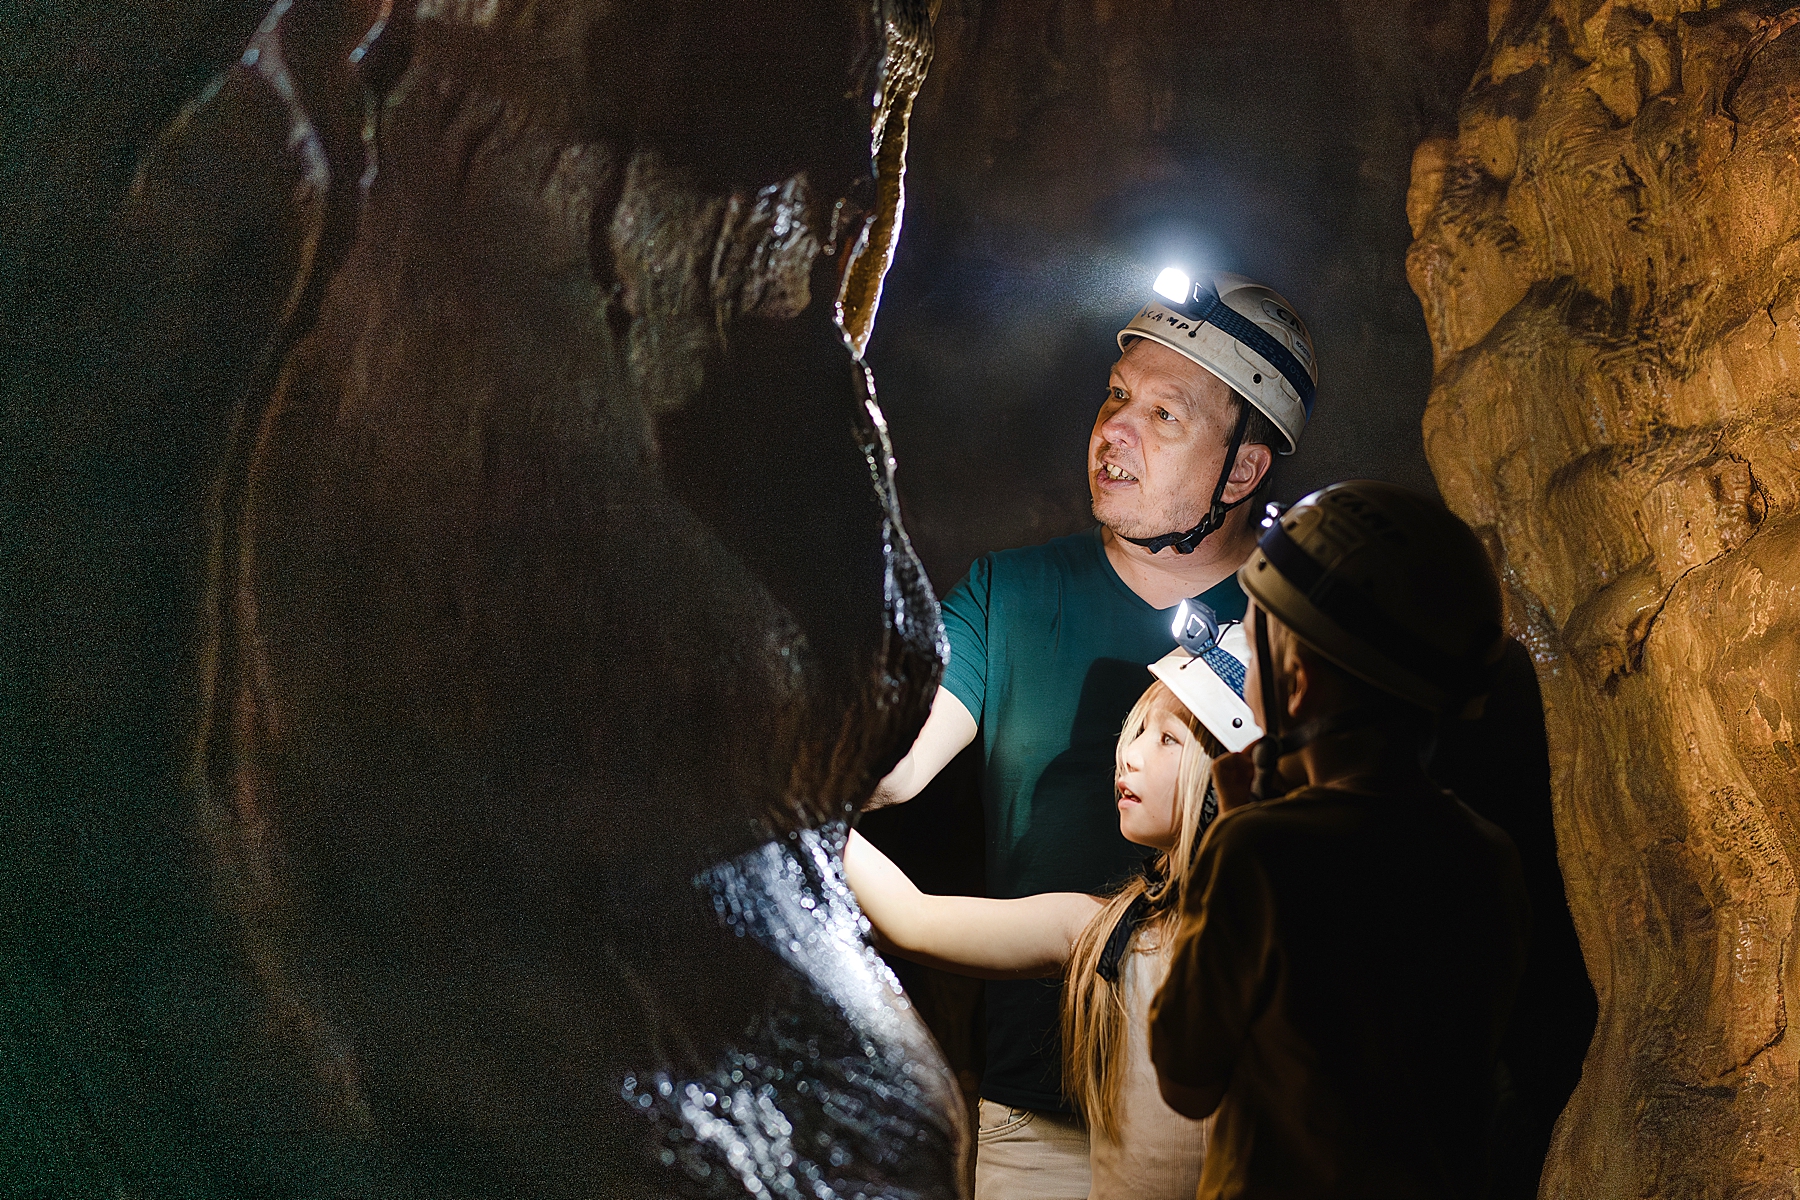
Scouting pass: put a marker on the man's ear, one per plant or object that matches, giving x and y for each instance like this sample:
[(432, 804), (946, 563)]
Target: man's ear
[(1253, 462)]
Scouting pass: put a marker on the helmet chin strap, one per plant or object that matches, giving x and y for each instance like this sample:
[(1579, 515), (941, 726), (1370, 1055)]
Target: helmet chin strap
[(1266, 753), (1185, 543)]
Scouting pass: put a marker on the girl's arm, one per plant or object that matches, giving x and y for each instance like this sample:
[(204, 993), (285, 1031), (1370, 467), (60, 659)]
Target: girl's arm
[(992, 939)]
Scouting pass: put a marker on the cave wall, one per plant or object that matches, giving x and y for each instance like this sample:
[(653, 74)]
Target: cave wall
[(426, 732), (1603, 251), (1606, 256)]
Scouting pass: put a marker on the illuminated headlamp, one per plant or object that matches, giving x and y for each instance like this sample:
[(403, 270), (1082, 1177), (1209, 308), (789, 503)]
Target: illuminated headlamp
[(1173, 285), (1196, 627)]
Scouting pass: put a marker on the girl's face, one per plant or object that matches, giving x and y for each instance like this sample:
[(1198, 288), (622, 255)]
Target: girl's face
[(1146, 789)]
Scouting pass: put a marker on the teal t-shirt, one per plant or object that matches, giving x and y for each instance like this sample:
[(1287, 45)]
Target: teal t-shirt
[(1049, 650)]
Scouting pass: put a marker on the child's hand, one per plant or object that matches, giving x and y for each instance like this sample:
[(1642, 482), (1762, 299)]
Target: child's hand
[(1232, 777)]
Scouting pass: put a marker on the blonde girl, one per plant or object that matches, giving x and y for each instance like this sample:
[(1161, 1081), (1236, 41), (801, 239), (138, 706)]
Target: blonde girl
[(1113, 949)]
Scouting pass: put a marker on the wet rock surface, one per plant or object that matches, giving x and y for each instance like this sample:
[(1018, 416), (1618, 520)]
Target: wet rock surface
[(454, 458), (1606, 256)]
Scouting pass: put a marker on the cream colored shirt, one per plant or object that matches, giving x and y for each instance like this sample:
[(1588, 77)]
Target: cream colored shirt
[(1159, 1151)]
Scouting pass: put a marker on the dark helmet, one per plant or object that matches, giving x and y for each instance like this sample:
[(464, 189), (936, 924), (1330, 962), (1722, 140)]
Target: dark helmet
[(1388, 584)]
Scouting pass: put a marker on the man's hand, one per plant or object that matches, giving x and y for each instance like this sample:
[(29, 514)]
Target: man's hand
[(1233, 775), (947, 730)]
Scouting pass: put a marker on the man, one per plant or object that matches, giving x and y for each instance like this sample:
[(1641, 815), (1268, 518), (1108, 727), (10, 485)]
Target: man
[(1047, 646), (1349, 950)]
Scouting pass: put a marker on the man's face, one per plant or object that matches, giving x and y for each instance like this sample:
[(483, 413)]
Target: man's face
[(1158, 443)]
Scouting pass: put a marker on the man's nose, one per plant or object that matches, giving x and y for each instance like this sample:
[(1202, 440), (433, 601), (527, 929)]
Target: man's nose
[(1121, 426)]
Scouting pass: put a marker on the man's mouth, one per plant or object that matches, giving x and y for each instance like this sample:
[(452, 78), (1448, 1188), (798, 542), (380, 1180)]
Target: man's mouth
[(1114, 473)]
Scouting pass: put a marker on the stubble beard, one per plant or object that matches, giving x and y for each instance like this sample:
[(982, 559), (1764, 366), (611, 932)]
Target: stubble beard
[(1128, 522)]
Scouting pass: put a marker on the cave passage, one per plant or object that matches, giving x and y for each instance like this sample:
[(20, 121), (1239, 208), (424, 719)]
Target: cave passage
[(484, 487)]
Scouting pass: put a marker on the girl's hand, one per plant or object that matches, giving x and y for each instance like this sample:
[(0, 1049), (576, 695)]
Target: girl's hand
[(1232, 776), (992, 939)]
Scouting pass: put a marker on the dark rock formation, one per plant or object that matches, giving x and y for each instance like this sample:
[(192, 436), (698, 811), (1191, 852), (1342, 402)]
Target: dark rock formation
[(1606, 254), (462, 595)]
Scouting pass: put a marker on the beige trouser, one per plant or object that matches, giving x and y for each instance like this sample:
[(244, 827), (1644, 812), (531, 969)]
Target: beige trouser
[(1024, 1155)]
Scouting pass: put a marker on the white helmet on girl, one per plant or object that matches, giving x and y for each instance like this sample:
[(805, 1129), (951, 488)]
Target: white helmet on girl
[(1211, 684)]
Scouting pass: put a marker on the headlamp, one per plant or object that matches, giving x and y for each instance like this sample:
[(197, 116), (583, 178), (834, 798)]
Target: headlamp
[(1196, 627), (1173, 285)]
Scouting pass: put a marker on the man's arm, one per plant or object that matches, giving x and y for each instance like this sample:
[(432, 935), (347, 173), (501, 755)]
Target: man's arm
[(947, 730)]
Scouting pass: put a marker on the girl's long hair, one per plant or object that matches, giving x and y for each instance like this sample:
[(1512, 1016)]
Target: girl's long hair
[(1093, 1010)]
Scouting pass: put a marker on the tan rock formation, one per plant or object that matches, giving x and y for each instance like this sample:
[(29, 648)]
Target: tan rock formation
[(1608, 255)]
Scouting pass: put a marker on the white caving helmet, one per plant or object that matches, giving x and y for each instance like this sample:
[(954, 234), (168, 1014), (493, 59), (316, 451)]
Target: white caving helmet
[(1211, 684), (1206, 672), (1242, 331), (1248, 336)]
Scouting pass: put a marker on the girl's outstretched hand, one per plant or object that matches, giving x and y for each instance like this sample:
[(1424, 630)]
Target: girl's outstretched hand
[(992, 939), (1232, 776)]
